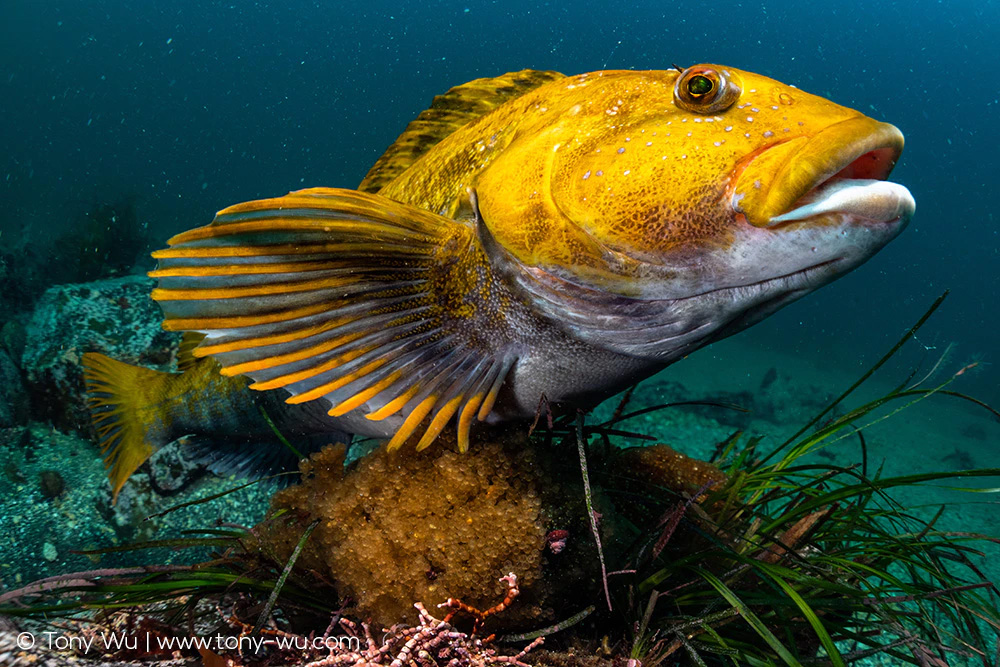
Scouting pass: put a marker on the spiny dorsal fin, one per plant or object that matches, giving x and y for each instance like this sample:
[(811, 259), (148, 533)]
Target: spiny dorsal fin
[(348, 297), (448, 112)]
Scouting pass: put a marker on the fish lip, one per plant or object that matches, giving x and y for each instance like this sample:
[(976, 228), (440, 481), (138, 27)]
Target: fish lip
[(864, 201), (858, 148)]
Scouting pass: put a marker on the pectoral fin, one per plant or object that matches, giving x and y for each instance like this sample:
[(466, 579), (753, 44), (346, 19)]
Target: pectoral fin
[(347, 297)]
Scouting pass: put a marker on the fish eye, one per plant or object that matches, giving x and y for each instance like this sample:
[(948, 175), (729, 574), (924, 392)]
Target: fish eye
[(702, 89), (699, 85)]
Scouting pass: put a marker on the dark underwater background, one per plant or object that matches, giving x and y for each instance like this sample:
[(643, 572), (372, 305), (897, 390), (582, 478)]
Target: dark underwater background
[(154, 115)]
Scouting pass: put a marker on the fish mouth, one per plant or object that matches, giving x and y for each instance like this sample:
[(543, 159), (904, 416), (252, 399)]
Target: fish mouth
[(841, 170)]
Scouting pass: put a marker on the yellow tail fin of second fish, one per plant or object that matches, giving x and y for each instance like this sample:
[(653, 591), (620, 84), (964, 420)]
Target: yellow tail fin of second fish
[(119, 397)]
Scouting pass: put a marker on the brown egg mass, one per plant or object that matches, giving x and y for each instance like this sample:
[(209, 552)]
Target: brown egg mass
[(405, 527)]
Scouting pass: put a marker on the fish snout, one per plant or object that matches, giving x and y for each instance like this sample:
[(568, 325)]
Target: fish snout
[(840, 170)]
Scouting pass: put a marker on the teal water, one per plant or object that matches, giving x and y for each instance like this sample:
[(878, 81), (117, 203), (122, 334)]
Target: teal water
[(172, 110)]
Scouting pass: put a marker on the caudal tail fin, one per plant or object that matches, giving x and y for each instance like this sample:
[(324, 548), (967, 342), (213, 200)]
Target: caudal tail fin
[(118, 395)]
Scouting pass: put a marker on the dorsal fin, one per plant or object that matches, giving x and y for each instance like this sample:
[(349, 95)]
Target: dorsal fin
[(447, 113)]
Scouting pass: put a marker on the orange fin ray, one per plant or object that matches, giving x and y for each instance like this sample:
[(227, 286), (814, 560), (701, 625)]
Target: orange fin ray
[(341, 296), (491, 396), (451, 402)]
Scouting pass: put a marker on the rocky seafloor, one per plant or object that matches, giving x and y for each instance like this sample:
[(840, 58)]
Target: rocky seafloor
[(54, 495)]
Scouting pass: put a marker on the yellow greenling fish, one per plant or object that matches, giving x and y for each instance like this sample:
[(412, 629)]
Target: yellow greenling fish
[(537, 235)]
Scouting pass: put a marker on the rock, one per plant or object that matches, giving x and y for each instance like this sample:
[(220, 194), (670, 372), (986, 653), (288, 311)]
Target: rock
[(15, 438), (115, 317), (51, 484), (14, 402), (171, 471), (49, 552), (13, 473), (769, 377), (127, 516), (13, 338)]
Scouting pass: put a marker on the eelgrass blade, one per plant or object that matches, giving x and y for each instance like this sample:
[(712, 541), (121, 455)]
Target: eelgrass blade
[(751, 618), (551, 629), (199, 501), (273, 598), (278, 434), (810, 615), (581, 448), (663, 406), (174, 543)]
